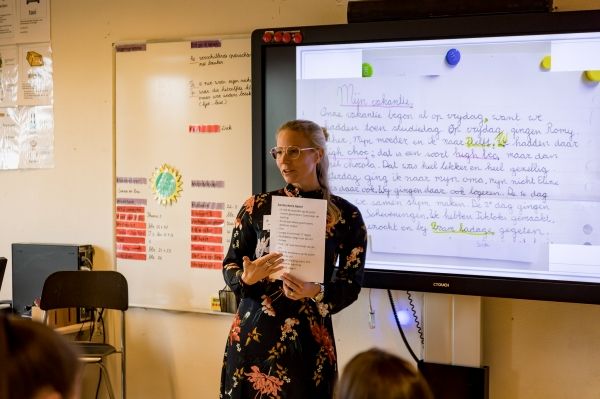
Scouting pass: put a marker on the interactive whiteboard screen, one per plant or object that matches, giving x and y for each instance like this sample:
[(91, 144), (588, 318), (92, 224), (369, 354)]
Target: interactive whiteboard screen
[(471, 155)]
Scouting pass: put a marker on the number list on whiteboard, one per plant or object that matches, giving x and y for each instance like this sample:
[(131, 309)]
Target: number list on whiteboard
[(182, 128)]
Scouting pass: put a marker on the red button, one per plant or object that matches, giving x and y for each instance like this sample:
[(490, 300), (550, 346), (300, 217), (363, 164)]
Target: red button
[(267, 37), (287, 37)]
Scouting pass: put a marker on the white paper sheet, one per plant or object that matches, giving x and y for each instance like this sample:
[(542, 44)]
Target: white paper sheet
[(298, 232)]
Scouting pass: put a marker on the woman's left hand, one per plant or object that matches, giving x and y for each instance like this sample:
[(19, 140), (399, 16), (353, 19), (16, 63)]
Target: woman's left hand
[(296, 289)]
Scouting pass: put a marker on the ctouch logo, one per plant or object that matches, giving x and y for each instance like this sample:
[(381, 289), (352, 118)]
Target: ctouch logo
[(444, 285)]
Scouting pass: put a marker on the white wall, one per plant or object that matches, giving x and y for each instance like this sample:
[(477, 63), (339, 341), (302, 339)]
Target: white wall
[(534, 349)]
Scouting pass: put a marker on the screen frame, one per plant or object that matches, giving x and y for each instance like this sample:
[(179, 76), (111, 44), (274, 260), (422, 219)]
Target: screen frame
[(423, 29)]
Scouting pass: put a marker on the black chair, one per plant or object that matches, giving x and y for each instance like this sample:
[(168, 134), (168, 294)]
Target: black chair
[(3, 304), (91, 289), (2, 270)]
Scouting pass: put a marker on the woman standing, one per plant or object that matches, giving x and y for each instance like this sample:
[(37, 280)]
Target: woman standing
[(281, 343)]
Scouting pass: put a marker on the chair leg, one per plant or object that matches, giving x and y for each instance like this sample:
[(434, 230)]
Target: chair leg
[(111, 394)]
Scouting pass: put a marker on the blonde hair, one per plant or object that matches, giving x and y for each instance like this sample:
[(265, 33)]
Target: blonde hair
[(317, 136)]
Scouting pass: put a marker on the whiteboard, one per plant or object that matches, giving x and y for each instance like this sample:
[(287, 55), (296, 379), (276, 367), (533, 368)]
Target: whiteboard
[(182, 128)]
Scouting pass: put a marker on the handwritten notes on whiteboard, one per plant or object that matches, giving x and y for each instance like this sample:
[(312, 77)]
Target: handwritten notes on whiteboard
[(182, 123), (488, 162)]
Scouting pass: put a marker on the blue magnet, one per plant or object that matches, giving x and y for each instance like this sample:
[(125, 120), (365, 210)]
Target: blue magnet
[(453, 57)]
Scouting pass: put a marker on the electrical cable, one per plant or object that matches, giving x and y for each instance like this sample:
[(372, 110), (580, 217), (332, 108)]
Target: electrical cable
[(93, 324), (79, 333), (101, 319), (88, 263), (412, 353), (371, 312), (98, 386), (414, 312)]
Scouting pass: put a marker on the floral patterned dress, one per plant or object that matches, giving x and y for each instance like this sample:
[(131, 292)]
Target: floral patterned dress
[(277, 347)]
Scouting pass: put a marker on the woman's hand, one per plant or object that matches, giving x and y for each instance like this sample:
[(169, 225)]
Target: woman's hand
[(256, 270), (295, 288)]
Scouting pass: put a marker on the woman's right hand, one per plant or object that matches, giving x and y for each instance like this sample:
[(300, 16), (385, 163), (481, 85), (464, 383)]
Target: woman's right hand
[(256, 270)]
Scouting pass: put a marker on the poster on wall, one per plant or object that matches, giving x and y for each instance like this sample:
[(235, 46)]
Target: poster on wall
[(26, 106), (26, 85), (24, 21)]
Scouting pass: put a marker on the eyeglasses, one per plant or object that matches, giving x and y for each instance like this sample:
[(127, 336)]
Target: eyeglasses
[(292, 151)]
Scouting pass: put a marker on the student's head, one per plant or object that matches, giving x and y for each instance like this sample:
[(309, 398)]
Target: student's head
[(376, 374), (36, 362)]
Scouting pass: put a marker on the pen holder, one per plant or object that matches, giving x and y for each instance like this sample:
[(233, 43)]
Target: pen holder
[(227, 300)]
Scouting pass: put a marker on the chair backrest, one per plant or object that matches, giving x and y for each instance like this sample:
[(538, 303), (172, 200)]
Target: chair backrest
[(94, 289), (2, 269)]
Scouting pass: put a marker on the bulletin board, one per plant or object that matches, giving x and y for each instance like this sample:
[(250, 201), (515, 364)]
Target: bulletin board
[(183, 150)]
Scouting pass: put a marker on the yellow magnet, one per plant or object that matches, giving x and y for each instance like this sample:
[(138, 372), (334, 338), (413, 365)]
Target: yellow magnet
[(594, 76), (546, 62)]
